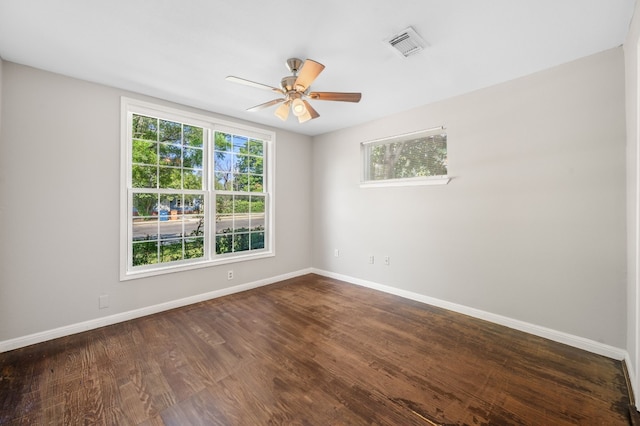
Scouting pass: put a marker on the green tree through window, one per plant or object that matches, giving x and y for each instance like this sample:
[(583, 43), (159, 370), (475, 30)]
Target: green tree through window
[(168, 199), (413, 156), (196, 191), (240, 195)]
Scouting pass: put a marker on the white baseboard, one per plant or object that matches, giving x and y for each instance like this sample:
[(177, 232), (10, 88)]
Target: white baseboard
[(632, 378), (557, 336), (43, 336)]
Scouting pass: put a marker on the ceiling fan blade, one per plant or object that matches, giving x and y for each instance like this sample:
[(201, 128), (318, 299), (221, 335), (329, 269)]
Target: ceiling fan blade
[(309, 71), (336, 96), (246, 82), (312, 112), (309, 113), (265, 105)]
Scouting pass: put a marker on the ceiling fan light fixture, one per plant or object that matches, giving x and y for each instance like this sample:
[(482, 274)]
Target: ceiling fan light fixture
[(306, 116), (298, 107), (283, 111)]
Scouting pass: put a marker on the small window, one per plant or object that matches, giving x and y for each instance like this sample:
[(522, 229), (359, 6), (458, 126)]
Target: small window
[(412, 159)]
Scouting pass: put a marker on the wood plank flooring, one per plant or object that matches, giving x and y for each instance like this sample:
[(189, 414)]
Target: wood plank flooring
[(309, 351)]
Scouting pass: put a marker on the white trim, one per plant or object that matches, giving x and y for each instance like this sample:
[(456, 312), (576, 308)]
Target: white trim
[(439, 180), (425, 132), (632, 375), (557, 336), (632, 364), (31, 339)]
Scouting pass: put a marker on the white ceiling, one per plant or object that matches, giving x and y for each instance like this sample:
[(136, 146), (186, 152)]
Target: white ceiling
[(182, 50)]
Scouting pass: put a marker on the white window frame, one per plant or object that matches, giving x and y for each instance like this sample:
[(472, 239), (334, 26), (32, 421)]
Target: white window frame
[(412, 181), (210, 125)]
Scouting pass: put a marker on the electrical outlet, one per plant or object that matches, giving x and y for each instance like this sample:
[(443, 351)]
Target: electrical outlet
[(371, 259), (229, 275), (387, 260), (336, 253), (103, 301)]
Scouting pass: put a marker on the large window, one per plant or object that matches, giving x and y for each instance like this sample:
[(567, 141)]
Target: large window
[(196, 191), (412, 159)]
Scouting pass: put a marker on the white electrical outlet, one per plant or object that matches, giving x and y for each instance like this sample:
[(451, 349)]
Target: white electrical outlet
[(229, 275), (371, 259), (336, 253), (387, 261), (103, 301)]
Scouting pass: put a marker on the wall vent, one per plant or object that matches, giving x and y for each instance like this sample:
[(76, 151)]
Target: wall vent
[(407, 42)]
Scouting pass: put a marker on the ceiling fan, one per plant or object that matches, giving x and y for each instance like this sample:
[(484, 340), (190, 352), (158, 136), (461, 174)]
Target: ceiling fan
[(295, 88)]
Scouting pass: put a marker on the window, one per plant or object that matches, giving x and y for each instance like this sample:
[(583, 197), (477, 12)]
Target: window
[(240, 196), (413, 159), (196, 191)]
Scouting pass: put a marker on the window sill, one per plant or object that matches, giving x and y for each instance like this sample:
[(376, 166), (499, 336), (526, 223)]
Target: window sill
[(440, 180), (163, 270)]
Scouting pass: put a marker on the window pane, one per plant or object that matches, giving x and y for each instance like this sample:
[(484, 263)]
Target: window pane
[(193, 204), (241, 163), (223, 142), (257, 222), (223, 162), (194, 226), (257, 213), (255, 147), (193, 136), (145, 253), (144, 152), (224, 213), (170, 131), (170, 155), (241, 242), (240, 143), (241, 182), (241, 213), (171, 250), (224, 243), (257, 240), (256, 183), (170, 177), (255, 165), (144, 176), (144, 128), (223, 181), (192, 179), (145, 229), (257, 204), (143, 205), (170, 229), (194, 248), (192, 158)]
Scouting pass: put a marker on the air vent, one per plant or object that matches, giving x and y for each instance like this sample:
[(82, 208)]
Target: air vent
[(407, 42)]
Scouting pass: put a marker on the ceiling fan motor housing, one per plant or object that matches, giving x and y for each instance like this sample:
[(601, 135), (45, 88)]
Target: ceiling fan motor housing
[(294, 64), (287, 83)]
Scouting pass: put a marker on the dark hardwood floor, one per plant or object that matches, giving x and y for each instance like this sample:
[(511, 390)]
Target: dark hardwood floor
[(309, 351)]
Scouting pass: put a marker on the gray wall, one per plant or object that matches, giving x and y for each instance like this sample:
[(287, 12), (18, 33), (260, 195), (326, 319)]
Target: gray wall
[(59, 208), (532, 226)]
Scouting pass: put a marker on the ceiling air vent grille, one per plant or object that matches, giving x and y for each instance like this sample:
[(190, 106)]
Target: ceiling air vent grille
[(407, 42)]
